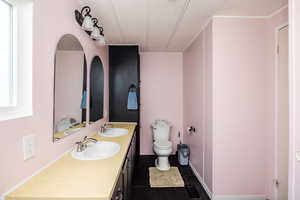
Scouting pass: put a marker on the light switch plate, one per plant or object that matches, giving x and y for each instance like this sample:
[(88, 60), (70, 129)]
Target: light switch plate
[(298, 156), (29, 146)]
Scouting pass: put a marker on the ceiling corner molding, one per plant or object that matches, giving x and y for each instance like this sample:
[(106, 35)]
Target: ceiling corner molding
[(278, 11), (253, 17), (240, 17), (197, 34)]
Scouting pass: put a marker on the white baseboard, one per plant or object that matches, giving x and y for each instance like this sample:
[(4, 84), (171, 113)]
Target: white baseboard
[(200, 179), (240, 197)]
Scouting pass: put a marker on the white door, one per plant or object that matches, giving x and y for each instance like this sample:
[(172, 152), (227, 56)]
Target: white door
[(282, 115)]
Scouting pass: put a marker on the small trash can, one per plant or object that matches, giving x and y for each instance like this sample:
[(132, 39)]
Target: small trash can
[(183, 154)]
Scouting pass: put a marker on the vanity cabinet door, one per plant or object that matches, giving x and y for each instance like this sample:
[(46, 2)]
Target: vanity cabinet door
[(129, 171), (118, 193), (125, 180), (133, 156), (134, 147)]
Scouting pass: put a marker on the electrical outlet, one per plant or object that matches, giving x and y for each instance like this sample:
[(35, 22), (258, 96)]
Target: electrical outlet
[(29, 146), (298, 156)]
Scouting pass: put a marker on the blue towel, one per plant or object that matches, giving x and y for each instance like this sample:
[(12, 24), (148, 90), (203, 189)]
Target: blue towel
[(132, 103), (83, 100)]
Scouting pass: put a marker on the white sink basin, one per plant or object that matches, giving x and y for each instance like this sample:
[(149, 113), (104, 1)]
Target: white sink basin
[(114, 132), (97, 151)]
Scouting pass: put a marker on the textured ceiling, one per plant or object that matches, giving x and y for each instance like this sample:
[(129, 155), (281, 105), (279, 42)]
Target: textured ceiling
[(168, 25)]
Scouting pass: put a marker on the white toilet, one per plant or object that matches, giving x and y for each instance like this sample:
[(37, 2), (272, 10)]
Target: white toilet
[(161, 144)]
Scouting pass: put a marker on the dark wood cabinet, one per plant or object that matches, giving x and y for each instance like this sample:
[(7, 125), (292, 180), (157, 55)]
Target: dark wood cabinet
[(125, 180), (124, 72), (123, 188), (118, 192)]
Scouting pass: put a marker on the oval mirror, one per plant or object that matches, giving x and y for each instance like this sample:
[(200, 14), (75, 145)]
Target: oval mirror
[(96, 90), (69, 88)]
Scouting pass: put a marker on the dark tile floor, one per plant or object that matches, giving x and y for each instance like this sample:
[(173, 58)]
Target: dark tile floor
[(142, 191)]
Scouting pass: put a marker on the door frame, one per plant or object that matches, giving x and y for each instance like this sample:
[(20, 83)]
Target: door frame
[(275, 175)]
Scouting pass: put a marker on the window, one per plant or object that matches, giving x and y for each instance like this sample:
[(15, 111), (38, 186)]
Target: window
[(16, 58), (6, 55)]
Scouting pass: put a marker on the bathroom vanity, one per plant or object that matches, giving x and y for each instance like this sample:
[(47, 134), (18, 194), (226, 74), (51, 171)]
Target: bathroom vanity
[(70, 178), (122, 190)]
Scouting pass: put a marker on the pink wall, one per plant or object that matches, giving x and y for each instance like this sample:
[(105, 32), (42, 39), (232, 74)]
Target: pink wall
[(272, 24), (244, 96), (240, 105), (208, 108), (229, 97), (161, 95), (69, 67), (197, 101), (52, 19), (193, 90), (294, 20)]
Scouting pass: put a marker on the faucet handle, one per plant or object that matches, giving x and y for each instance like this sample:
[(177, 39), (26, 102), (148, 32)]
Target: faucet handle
[(88, 139), (85, 138), (80, 146), (102, 128)]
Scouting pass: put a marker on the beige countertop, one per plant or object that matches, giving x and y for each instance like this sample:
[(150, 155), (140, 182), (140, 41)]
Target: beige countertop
[(68, 178)]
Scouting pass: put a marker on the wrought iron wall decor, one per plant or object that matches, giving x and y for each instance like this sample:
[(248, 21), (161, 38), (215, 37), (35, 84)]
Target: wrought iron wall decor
[(90, 25)]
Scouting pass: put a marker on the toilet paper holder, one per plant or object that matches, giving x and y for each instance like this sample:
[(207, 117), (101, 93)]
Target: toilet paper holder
[(191, 129)]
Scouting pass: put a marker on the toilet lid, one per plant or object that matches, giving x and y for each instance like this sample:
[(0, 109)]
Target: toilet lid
[(163, 144)]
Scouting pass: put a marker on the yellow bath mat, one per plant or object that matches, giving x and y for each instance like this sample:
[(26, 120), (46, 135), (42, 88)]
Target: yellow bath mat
[(170, 178)]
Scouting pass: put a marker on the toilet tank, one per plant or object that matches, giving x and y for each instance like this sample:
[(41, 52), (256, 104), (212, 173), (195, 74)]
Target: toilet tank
[(161, 130)]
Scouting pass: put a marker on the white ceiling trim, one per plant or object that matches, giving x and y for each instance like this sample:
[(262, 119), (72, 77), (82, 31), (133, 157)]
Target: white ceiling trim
[(278, 11), (198, 33), (179, 20), (244, 17), (241, 17), (254, 17)]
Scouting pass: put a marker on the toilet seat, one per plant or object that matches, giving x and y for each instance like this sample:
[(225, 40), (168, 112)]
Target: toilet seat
[(163, 144)]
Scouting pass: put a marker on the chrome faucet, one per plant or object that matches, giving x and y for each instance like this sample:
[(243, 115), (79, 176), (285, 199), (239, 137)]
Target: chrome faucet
[(103, 128), (82, 145)]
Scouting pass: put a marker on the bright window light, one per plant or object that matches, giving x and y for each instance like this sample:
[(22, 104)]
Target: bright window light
[(16, 59), (6, 55)]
